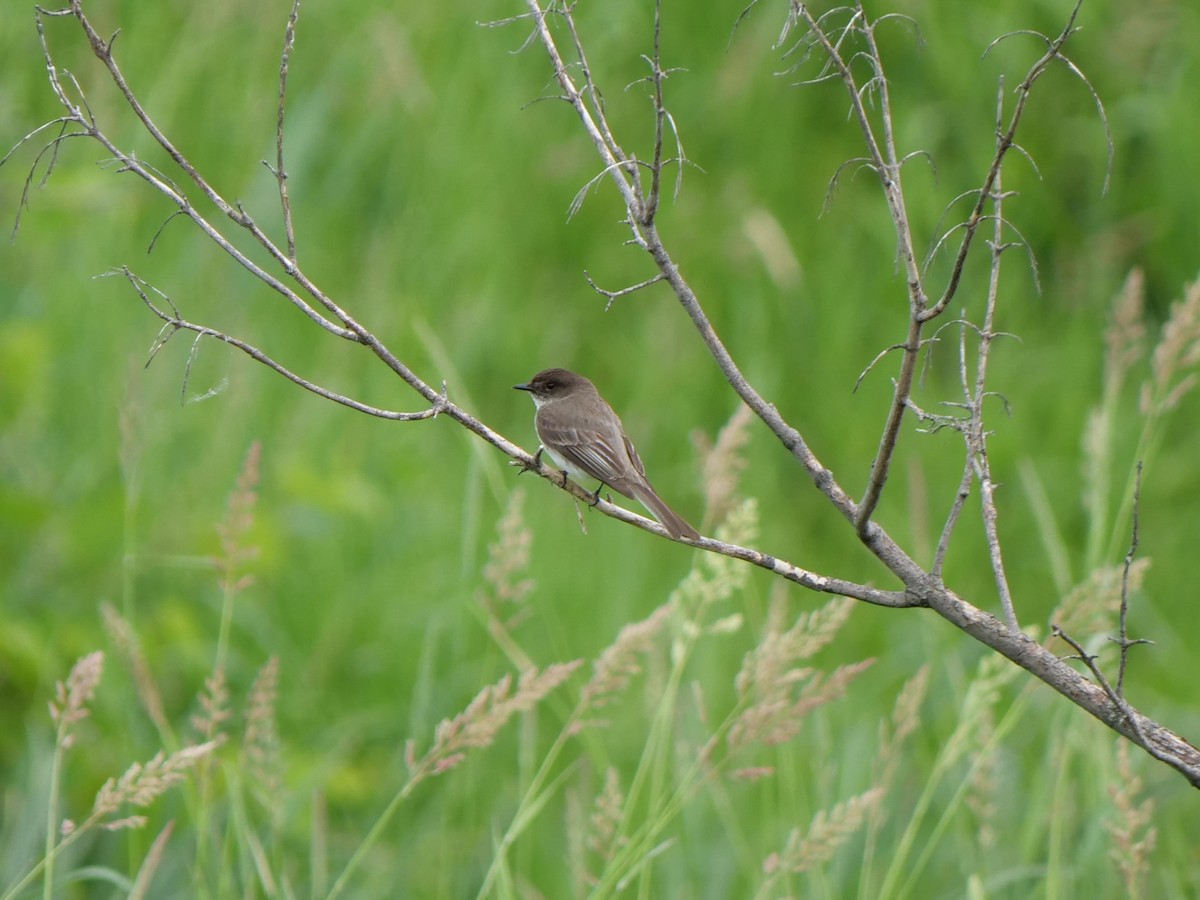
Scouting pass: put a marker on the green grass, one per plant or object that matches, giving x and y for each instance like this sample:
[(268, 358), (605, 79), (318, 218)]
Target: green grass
[(431, 200)]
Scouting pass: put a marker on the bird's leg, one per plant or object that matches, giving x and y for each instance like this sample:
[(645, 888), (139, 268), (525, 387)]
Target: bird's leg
[(526, 467), (537, 458), (596, 496)]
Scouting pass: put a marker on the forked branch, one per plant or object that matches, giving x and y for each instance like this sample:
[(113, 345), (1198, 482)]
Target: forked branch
[(320, 308), (922, 587), (884, 159), (641, 196)]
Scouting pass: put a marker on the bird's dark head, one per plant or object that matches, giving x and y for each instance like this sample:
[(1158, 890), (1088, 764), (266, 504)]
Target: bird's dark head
[(552, 384)]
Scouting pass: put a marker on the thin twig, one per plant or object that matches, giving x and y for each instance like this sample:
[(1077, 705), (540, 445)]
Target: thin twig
[(1006, 141), (650, 206), (349, 327), (289, 41), (883, 158), (956, 508), (922, 312), (977, 435), (88, 128), (624, 173), (1089, 660), (50, 148), (175, 323), (1122, 638), (613, 296)]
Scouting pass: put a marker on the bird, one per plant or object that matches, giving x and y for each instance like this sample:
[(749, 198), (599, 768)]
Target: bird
[(585, 437)]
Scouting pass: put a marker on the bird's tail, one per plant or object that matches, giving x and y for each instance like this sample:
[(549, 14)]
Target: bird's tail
[(675, 524)]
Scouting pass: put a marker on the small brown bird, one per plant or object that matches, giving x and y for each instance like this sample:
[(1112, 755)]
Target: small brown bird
[(583, 436)]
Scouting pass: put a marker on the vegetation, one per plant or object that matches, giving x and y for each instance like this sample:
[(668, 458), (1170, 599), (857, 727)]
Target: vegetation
[(348, 656)]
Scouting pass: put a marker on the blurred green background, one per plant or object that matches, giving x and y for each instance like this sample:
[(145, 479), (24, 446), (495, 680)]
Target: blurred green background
[(431, 198)]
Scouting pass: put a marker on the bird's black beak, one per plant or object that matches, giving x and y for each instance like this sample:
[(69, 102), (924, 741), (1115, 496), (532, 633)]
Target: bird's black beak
[(522, 387)]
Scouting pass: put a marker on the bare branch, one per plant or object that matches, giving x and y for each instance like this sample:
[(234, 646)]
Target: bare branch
[(833, 33), (621, 169), (890, 175), (1089, 660), (613, 296), (625, 172), (977, 440), (175, 323), (862, 162), (280, 171), (1004, 143), (880, 356), (51, 148), (1161, 743), (1122, 639), (956, 508), (883, 158), (103, 51)]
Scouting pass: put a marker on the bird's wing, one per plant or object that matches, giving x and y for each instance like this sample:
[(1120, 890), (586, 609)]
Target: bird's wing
[(631, 451), (601, 453)]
